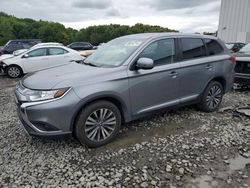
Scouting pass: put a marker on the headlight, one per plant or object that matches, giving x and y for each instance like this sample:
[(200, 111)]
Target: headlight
[(38, 95)]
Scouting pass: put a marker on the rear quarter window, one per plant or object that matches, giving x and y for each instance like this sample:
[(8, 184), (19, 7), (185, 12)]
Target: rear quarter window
[(213, 47)]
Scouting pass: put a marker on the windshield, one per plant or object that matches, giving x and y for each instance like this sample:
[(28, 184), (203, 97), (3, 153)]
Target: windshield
[(114, 53), (245, 49)]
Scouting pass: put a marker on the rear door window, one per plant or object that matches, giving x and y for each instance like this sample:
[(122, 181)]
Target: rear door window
[(192, 48), (56, 51), (213, 47)]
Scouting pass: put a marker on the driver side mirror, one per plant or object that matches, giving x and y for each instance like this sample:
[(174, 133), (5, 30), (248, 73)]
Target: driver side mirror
[(25, 56), (145, 63)]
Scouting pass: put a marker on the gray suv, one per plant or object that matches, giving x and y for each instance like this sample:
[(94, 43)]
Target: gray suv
[(128, 78)]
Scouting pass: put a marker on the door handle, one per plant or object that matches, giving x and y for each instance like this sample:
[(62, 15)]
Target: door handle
[(173, 74)]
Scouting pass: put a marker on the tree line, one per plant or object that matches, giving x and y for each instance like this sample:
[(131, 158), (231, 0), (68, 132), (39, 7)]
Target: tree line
[(17, 28)]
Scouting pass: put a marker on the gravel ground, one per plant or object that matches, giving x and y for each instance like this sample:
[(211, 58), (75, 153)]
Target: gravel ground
[(182, 148)]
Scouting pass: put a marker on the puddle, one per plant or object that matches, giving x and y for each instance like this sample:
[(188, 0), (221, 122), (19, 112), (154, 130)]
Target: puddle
[(133, 136), (206, 181), (238, 163), (203, 182)]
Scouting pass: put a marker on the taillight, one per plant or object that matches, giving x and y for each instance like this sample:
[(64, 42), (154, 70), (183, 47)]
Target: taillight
[(232, 59)]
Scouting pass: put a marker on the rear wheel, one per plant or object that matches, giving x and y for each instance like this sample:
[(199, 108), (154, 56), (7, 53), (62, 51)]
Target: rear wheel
[(14, 71), (98, 124), (212, 97)]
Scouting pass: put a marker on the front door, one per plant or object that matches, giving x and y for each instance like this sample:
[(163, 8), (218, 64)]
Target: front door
[(58, 56), (156, 88), (35, 60)]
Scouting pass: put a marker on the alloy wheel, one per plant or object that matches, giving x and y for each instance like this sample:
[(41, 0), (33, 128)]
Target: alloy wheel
[(214, 97), (100, 124)]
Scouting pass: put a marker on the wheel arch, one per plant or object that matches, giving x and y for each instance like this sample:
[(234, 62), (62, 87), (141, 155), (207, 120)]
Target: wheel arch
[(110, 98), (219, 79)]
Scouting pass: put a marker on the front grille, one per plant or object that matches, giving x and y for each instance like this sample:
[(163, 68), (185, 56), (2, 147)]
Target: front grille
[(242, 67)]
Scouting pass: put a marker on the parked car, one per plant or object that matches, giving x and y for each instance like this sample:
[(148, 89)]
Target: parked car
[(38, 58), (14, 45), (42, 44), (18, 52), (79, 46), (235, 47), (129, 78), (242, 68), (86, 53)]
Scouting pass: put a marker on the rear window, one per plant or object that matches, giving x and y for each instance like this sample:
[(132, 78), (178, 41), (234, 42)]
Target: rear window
[(213, 47), (193, 48)]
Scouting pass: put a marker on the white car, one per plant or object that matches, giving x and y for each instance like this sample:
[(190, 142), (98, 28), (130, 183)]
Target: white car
[(38, 58)]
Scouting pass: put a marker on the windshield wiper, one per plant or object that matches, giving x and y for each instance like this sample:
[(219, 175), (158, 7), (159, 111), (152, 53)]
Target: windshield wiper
[(90, 64)]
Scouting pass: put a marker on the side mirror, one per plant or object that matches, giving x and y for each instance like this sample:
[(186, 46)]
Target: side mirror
[(25, 56), (145, 63)]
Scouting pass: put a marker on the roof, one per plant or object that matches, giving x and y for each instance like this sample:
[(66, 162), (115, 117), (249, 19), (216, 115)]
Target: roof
[(49, 46), (170, 34)]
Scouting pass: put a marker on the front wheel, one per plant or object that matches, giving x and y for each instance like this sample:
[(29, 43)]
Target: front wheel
[(14, 71), (212, 97), (98, 124)]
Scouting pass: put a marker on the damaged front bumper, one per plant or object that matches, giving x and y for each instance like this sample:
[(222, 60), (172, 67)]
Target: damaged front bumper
[(3, 67), (242, 79)]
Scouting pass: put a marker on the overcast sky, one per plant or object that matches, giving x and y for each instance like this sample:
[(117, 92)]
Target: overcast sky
[(183, 15)]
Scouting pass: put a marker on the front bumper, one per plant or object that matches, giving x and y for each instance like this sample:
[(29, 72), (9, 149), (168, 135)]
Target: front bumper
[(2, 68), (47, 118), (242, 79), (34, 129)]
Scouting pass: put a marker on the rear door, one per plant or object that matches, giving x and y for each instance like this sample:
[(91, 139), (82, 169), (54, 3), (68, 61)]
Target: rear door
[(196, 68), (159, 87), (58, 56)]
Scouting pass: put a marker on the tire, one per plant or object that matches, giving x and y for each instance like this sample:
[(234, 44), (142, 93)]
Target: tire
[(211, 97), (14, 71), (92, 130)]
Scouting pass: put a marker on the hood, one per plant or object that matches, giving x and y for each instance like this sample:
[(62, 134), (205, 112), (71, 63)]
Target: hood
[(68, 75), (6, 56)]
